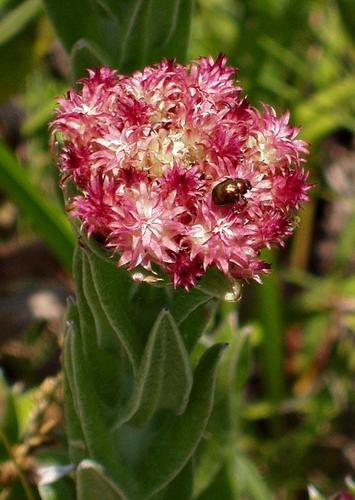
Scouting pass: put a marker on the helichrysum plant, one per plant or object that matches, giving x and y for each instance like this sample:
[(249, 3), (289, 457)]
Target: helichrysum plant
[(176, 184)]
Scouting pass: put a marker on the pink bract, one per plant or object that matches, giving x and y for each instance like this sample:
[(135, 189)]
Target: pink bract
[(146, 151)]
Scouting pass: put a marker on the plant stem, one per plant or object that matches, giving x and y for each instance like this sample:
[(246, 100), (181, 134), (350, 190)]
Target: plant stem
[(25, 484)]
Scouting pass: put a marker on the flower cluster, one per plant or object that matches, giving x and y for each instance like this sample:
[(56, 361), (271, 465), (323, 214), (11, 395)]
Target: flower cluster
[(174, 167)]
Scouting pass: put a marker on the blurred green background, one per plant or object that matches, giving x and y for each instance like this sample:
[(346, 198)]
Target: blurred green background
[(292, 360)]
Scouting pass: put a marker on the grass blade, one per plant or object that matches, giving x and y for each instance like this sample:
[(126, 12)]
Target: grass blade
[(18, 18), (270, 305), (46, 218)]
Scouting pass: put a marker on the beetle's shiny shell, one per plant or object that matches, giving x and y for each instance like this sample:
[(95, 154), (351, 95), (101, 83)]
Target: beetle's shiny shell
[(230, 191)]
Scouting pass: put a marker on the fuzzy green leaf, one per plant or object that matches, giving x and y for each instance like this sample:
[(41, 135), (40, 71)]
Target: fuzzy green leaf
[(111, 369), (93, 483), (76, 441), (164, 379), (198, 323), (93, 414), (180, 436), (180, 487), (184, 303), (193, 312), (111, 287)]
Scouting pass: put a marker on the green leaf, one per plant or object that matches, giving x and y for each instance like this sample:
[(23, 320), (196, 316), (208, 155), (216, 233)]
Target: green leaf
[(324, 111), (289, 58), (8, 417), (249, 480), (209, 462), (236, 364), (345, 244), (150, 299), (111, 369), (74, 20), (77, 447), (184, 303), (198, 323), (94, 484), (25, 402), (346, 9), (224, 422), (107, 337), (148, 37), (47, 219), (219, 487), (137, 446), (85, 55), (215, 284), (164, 379), (14, 21), (179, 436), (39, 118), (61, 489), (111, 282), (193, 312), (93, 414), (270, 315), (168, 450), (127, 34), (180, 487), (239, 478)]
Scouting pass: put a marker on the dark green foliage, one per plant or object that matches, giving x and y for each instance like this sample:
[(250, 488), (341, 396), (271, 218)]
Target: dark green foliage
[(45, 217), (124, 34), (142, 440)]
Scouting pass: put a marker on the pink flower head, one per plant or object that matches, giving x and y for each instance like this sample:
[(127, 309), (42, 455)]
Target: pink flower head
[(174, 167)]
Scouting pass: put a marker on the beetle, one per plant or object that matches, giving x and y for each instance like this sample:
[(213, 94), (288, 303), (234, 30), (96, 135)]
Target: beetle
[(230, 191)]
